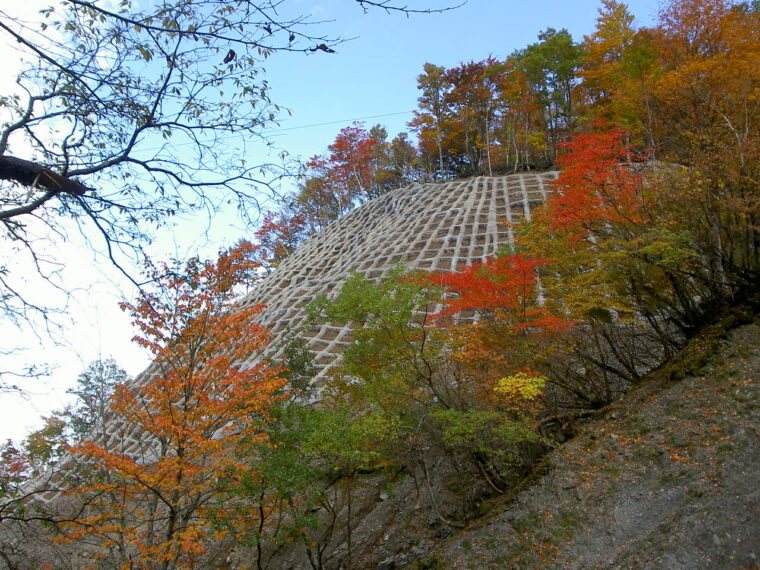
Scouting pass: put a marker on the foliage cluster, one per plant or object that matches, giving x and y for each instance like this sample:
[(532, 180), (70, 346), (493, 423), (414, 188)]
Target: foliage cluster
[(154, 492)]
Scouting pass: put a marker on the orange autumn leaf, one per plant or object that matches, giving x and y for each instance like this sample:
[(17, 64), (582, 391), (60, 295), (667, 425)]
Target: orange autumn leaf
[(194, 419), (595, 186)]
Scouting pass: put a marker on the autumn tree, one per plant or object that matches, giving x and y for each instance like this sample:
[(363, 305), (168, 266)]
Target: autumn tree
[(472, 101), (429, 121), (411, 398), (394, 162), (45, 446), (521, 140), (481, 117), (401, 163), (360, 165), (498, 318), (683, 90), (27, 471), (38, 454), (619, 63), (397, 361), (394, 350), (352, 163), (278, 235), (629, 279), (319, 198), (598, 205), (15, 471), (195, 413), (708, 120), (458, 114), (707, 49), (501, 330)]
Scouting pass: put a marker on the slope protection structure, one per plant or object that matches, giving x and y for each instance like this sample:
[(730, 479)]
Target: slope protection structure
[(434, 227)]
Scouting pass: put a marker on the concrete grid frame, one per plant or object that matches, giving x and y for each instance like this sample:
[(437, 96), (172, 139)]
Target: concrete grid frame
[(433, 226)]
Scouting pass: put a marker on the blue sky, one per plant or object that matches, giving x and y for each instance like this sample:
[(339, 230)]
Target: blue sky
[(372, 75), (375, 73)]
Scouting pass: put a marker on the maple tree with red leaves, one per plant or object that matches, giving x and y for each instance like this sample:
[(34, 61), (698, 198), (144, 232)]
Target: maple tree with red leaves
[(195, 415), (345, 177), (495, 287), (278, 235), (496, 318), (594, 225), (596, 184), (351, 160), (360, 165)]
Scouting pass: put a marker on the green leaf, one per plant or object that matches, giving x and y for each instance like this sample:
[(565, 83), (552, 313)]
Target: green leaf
[(146, 54)]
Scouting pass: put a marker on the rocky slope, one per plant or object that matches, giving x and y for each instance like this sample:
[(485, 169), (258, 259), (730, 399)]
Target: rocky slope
[(666, 478)]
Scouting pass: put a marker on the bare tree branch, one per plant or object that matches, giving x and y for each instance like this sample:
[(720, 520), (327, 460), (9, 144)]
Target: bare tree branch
[(391, 6), (127, 115)]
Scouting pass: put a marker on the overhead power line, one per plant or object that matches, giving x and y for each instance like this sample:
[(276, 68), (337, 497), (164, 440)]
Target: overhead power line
[(284, 129)]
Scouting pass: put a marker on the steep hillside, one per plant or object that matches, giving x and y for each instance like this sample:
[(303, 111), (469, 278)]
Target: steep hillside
[(666, 478)]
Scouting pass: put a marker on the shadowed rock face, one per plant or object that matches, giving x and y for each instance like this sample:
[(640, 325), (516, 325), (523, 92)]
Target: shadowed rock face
[(425, 226)]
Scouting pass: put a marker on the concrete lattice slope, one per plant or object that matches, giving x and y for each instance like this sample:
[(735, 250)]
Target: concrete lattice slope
[(425, 226)]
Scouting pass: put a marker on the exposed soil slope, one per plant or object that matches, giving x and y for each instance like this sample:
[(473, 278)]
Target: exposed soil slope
[(669, 477)]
